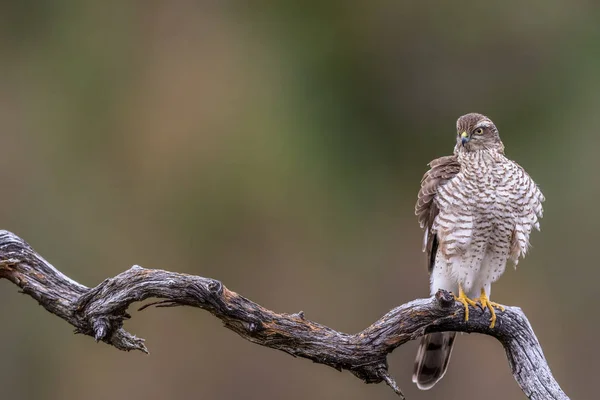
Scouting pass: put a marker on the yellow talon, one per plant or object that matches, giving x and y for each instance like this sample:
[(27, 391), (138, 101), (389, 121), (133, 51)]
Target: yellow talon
[(490, 305), (462, 298)]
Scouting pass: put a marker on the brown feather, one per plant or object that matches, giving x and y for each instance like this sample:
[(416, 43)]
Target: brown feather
[(432, 358), (441, 171)]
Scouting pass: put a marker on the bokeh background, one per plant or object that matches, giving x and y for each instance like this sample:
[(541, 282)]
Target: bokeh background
[(278, 147)]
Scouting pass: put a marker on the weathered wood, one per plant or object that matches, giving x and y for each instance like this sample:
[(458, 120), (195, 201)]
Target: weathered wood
[(100, 311)]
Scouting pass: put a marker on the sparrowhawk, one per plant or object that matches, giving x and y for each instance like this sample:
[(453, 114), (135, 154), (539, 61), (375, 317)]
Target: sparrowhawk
[(477, 208)]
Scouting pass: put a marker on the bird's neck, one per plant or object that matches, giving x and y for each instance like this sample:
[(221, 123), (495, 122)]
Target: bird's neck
[(486, 156)]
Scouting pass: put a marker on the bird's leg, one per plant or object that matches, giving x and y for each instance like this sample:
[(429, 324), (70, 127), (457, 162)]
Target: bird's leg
[(490, 305), (462, 297)]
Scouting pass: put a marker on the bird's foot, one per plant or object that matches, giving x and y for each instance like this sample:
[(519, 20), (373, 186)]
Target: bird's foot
[(462, 298), (490, 305)]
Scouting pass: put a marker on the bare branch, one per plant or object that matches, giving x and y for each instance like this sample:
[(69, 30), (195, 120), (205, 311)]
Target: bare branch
[(99, 312)]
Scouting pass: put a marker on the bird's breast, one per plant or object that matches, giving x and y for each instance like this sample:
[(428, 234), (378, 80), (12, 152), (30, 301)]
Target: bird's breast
[(485, 192)]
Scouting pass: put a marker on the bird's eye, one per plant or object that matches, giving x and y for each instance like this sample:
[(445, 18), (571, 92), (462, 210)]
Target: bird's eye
[(478, 131)]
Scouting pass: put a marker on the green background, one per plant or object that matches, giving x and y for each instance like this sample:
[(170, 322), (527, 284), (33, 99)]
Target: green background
[(278, 147)]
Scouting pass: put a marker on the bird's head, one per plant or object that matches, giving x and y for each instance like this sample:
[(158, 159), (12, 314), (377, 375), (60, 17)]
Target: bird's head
[(477, 132)]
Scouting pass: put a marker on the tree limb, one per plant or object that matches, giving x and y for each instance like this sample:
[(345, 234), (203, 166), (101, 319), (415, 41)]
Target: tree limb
[(99, 312)]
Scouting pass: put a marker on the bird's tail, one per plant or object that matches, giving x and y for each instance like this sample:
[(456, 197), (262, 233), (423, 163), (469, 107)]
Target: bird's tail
[(432, 359)]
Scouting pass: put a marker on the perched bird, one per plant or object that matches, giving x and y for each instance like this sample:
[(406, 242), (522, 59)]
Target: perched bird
[(477, 208)]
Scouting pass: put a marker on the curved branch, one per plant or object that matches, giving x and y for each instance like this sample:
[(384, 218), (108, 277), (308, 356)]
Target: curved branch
[(99, 312)]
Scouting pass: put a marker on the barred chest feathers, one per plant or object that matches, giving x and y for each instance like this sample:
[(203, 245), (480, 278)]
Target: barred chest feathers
[(486, 215)]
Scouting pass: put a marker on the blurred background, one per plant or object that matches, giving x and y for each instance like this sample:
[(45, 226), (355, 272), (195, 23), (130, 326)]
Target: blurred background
[(279, 147)]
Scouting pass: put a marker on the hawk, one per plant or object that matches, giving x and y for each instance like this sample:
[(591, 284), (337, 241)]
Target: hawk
[(477, 208)]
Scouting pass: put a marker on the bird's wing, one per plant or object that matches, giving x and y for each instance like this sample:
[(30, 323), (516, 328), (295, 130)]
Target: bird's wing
[(441, 171), (529, 198)]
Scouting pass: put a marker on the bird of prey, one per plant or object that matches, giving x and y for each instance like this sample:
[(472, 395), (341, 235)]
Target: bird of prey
[(477, 208)]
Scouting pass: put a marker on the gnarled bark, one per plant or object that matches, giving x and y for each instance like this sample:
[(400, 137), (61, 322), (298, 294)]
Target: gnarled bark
[(100, 311)]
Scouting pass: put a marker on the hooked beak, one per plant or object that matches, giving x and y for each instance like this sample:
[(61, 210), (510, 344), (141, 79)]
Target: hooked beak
[(464, 138)]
